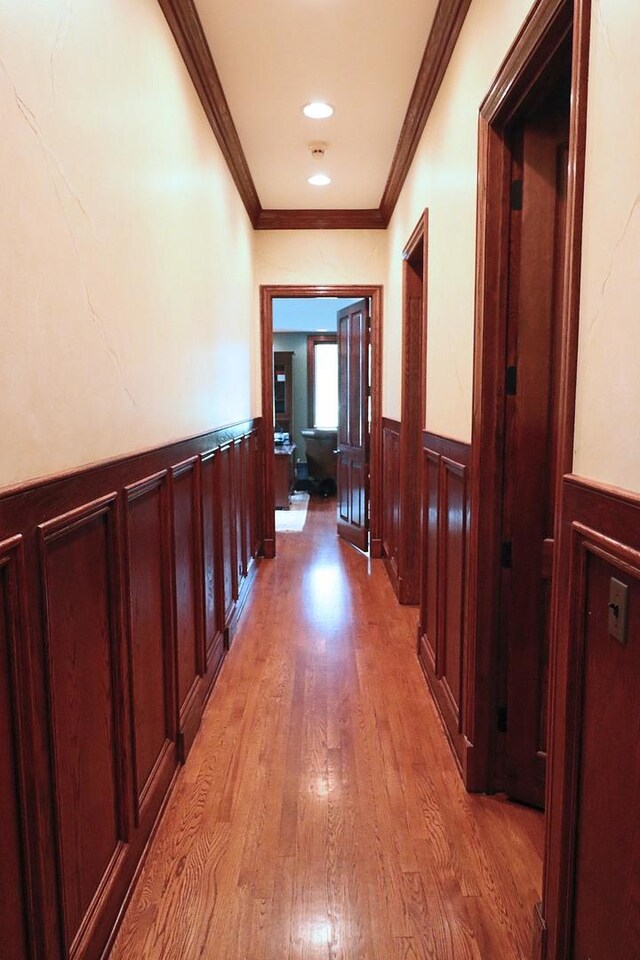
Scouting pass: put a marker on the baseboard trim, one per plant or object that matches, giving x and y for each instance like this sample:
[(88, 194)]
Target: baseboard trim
[(539, 940)]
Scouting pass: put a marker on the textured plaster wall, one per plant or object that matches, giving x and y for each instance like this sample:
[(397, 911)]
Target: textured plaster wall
[(128, 302), (320, 256), (443, 177), (607, 439)]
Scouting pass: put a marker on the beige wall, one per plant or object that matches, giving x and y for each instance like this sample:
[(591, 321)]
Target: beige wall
[(127, 297), (320, 256), (607, 442), (443, 178)]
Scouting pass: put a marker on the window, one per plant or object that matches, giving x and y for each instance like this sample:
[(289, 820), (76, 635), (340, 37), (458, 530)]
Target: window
[(322, 354)]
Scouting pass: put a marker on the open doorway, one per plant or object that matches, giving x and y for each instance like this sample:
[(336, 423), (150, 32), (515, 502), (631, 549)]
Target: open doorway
[(539, 143), (306, 403), (338, 343)]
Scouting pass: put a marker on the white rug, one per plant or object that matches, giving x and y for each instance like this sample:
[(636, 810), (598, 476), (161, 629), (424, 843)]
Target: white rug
[(293, 519)]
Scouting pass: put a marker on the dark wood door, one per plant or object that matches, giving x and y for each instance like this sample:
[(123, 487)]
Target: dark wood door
[(353, 423), (539, 180)]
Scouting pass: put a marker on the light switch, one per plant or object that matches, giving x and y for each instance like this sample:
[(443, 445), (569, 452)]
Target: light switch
[(618, 595)]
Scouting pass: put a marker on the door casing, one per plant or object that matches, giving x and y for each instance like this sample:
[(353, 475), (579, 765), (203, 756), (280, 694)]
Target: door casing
[(413, 405), (523, 72), (267, 295)]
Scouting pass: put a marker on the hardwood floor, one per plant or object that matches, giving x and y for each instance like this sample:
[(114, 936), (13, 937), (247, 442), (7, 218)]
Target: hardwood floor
[(320, 814)]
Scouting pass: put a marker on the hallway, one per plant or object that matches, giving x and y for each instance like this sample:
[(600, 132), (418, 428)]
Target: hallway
[(320, 813)]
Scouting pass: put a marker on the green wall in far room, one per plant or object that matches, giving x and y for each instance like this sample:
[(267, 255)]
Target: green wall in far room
[(298, 343)]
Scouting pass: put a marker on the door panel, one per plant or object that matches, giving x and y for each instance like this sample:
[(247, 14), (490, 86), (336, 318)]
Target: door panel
[(86, 690), (353, 426), (148, 569), (536, 269)]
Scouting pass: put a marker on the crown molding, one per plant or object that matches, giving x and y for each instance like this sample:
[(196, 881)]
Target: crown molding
[(185, 24), (442, 39), (320, 220)]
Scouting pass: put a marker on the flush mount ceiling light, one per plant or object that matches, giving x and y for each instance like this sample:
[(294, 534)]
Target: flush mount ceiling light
[(317, 110), (319, 180)]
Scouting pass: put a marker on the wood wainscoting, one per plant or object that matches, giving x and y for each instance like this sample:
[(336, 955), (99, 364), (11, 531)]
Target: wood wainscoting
[(120, 585), (445, 533), (592, 849)]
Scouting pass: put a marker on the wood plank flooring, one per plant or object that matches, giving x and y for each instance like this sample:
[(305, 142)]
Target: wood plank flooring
[(320, 815)]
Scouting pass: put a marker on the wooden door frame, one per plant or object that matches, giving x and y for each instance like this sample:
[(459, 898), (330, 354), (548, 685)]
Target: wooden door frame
[(413, 420), (269, 292), (545, 30)]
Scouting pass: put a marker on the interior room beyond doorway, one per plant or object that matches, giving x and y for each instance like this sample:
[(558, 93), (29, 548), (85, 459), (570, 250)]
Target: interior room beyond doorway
[(321, 443), (306, 393)]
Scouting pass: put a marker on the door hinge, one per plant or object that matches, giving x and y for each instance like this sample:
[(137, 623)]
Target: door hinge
[(511, 381), (516, 194), (505, 554), (502, 719)]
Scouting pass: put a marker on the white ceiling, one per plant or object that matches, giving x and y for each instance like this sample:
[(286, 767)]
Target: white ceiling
[(362, 56)]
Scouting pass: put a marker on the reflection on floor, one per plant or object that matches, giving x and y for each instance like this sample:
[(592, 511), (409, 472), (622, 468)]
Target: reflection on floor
[(320, 814)]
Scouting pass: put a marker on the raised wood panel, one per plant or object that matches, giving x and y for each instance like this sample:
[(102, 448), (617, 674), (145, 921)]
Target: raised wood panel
[(240, 487), (16, 915), (188, 583), (452, 577), (149, 620), (255, 477), (359, 477), (80, 554), (391, 497), (430, 540), (441, 646), (227, 518), (592, 848), (248, 521), (212, 557), (344, 478)]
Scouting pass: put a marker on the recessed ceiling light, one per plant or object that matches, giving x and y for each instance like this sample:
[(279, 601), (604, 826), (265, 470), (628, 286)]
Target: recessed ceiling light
[(319, 180), (317, 110)]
